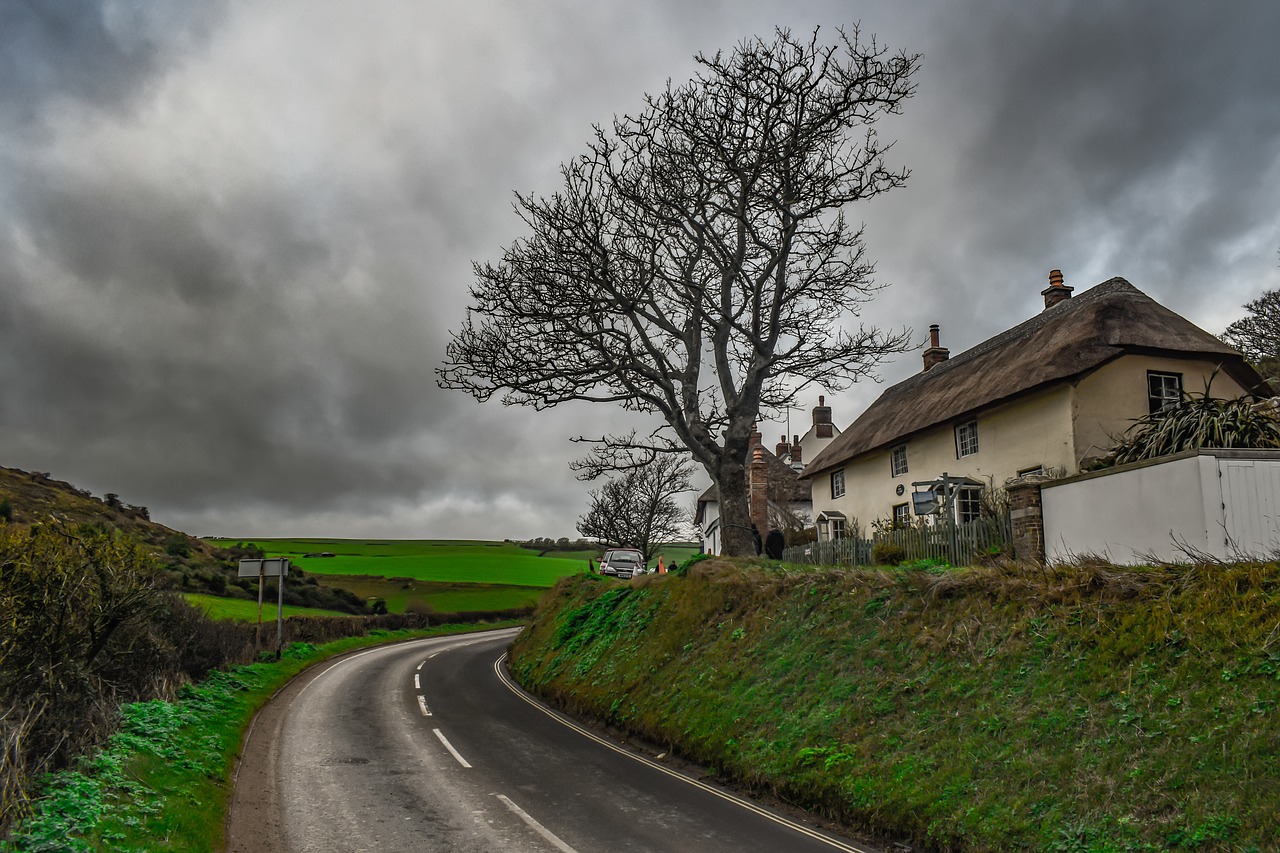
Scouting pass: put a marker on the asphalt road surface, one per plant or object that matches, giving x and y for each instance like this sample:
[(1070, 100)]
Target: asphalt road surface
[(428, 746)]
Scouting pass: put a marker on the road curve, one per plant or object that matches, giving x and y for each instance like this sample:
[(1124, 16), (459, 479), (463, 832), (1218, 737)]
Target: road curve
[(428, 746)]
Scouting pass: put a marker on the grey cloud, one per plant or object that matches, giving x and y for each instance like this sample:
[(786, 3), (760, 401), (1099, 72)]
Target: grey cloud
[(235, 235), (96, 54)]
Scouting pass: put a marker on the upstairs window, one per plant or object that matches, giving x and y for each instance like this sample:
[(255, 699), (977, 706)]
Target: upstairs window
[(1164, 390), (966, 439), (837, 484), (898, 461)]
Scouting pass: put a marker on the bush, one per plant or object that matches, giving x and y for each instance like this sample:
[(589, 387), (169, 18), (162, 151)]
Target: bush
[(87, 627), (887, 554)]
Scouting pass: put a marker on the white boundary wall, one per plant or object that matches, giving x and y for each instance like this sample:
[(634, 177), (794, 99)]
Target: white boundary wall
[(1224, 503)]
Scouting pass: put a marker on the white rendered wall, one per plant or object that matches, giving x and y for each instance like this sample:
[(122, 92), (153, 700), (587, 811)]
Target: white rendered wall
[(1223, 503)]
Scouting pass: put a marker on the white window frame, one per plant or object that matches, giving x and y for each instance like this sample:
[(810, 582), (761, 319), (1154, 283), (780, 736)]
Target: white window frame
[(1164, 390), (902, 515), (837, 484), (898, 461), (839, 530), (967, 439)]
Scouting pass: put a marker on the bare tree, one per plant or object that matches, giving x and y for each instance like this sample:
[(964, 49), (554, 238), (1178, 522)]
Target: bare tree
[(639, 508), (696, 262)]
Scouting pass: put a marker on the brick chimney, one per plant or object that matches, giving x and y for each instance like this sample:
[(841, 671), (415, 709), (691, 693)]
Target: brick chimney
[(757, 439), (758, 491), (795, 451), (1056, 291), (936, 353), (822, 419)]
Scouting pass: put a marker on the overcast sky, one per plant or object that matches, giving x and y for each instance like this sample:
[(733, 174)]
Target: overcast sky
[(234, 235)]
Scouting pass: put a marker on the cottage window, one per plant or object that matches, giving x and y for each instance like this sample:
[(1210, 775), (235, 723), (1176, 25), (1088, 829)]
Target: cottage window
[(968, 505), (898, 461), (902, 515), (1164, 390), (837, 484), (838, 530), (966, 439)]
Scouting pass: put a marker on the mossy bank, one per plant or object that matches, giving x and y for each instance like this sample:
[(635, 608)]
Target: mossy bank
[(1083, 708)]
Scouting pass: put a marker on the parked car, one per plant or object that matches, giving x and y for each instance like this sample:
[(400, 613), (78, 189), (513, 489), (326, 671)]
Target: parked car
[(622, 563)]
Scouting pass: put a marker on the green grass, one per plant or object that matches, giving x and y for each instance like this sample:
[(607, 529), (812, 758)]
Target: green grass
[(163, 780), (435, 560), (240, 610), (1069, 710), (403, 594)]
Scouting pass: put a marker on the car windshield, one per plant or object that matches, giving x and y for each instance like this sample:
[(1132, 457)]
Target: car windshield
[(624, 557)]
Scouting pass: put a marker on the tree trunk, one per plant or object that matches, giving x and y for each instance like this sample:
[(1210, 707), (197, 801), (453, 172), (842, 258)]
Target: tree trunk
[(735, 516)]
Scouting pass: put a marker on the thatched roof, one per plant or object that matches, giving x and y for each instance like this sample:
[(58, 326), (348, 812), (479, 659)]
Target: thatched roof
[(1061, 343)]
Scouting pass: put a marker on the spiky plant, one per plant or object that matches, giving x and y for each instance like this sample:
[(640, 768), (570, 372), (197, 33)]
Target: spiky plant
[(1199, 420)]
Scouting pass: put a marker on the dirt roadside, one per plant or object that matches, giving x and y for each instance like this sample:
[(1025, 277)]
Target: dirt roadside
[(255, 819)]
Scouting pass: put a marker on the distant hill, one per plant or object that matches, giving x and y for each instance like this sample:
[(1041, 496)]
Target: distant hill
[(191, 564)]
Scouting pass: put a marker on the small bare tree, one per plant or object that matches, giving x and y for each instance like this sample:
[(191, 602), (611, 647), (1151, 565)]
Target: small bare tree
[(696, 262), (639, 508)]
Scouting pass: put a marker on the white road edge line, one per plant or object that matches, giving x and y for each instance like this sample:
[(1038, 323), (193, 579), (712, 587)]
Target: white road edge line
[(419, 667), (444, 740), (417, 682), (739, 801), (535, 826), (422, 703)]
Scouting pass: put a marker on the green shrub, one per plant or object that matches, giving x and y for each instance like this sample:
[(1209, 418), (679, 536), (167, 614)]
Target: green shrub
[(1199, 420)]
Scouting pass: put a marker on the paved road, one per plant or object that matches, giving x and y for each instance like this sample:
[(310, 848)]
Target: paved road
[(428, 747)]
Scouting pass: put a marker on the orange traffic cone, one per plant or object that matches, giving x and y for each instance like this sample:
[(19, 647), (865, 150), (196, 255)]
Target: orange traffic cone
[(662, 569)]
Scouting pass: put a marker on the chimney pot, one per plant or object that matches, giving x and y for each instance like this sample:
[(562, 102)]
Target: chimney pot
[(936, 353), (1057, 291)]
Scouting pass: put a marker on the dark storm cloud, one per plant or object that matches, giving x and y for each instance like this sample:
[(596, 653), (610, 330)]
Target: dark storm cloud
[(92, 53), (233, 237), (1131, 139)]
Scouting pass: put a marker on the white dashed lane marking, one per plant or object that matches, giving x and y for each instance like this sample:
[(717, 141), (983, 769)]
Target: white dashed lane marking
[(535, 826), (444, 740)]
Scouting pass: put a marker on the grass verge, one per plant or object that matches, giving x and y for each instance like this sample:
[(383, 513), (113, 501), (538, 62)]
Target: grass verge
[(1078, 709), (163, 780)]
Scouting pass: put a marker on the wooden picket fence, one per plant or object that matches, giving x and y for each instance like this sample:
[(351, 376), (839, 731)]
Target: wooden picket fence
[(958, 546)]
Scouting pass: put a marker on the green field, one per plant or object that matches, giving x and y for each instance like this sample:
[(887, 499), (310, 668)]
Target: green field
[(240, 610), (403, 594), (438, 575), (455, 561)]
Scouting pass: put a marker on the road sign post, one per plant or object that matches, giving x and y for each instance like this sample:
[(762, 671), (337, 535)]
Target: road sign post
[(276, 567)]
